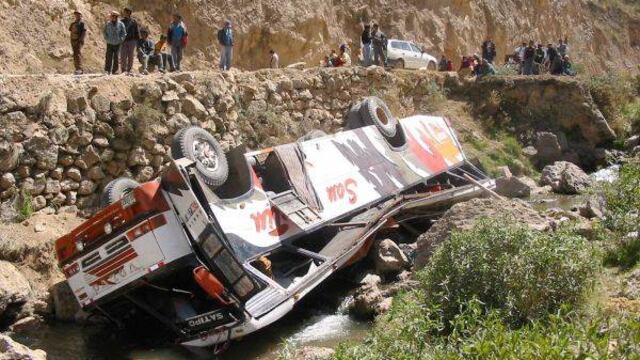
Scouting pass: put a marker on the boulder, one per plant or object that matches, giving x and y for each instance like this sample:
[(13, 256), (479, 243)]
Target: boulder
[(632, 142), (512, 187), (76, 101), (463, 216), (7, 180), (38, 203), (388, 258), (26, 324), (548, 148), (147, 92), (43, 149), (87, 187), (313, 353), (368, 301), (592, 208), (565, 178), (369, 279), (9, 155), (192, 107), (64, 302), (12, 350), (14, 287)]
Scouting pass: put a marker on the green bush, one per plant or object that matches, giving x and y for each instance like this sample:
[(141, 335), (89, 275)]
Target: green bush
[(412, 331), (612, 92), (622, 240), (26, 206), (522, 272)]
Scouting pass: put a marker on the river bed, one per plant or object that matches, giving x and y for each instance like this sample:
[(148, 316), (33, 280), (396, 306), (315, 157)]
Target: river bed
[(319, 320)]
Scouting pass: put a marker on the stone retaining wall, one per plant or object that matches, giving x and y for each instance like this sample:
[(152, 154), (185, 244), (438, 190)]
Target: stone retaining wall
[(63, 138)]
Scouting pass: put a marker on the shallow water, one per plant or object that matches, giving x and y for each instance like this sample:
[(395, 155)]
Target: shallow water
[(320, 320)]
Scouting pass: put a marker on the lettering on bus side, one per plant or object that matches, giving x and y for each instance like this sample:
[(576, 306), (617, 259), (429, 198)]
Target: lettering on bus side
[(345, 189), (270, 219)]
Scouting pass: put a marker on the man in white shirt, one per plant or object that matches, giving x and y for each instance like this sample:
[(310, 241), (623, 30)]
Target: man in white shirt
[(275, 60)]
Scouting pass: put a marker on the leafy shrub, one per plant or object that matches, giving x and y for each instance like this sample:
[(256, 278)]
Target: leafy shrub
[(412, 331), (622, 218), (26, 206), (506, 70), (612, 92), (522, 272)]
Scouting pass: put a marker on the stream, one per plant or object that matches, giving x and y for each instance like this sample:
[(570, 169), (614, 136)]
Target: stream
[(318, 320)]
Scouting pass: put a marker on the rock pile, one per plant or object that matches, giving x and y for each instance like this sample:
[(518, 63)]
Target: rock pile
[(463, 216)]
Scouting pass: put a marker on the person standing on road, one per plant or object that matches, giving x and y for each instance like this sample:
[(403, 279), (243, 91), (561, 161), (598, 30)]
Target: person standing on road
[(442, 65), (177, 35), (366, 45), (78, 32), (563, 48), (489, 50), (379, 40), (225, 38), (128, 49), (274, 62), (529, 56), (114, 34)]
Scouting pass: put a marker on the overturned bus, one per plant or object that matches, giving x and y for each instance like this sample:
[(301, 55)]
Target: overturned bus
[(222, 245)]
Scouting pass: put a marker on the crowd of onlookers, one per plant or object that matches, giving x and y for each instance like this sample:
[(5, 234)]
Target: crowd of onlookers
[(525, 60), (127, 40)]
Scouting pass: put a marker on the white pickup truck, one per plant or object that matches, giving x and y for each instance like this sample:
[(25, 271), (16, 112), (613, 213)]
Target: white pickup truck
[(222, 245)]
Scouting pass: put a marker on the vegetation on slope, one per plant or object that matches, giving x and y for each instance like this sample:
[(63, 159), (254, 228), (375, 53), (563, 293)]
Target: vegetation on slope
[(508, 292)]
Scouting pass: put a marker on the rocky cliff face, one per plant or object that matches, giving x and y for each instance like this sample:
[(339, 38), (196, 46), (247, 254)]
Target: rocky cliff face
[(600, 33)]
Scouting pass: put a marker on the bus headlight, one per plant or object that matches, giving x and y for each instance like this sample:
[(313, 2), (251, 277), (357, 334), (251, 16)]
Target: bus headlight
[(108, 228)]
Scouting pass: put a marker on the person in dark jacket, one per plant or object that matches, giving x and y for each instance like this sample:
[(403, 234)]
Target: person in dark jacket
[(366, 45), (489, 50), (538, 60), (379, 41), (225, 38), (114, 34), (554, 61), (176, 35), (442, 65), (78, 33), (128, 48), (146, 54), (529, 55)]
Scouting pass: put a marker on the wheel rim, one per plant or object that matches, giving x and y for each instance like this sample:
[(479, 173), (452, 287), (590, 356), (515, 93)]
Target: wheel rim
[(382, 116), (400, 64), (205, 154)]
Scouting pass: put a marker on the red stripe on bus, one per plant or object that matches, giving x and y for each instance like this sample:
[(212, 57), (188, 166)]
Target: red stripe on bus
[(115, 259)]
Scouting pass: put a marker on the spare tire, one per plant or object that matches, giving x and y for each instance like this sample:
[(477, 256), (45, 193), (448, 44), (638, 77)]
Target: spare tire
[(116, 189), (374, 111), (199, 146), (313, 134)]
